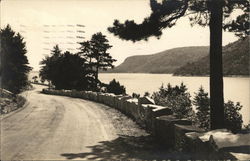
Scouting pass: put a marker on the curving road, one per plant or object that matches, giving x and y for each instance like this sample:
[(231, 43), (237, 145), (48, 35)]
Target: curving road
[(56, 127), (51, 125)]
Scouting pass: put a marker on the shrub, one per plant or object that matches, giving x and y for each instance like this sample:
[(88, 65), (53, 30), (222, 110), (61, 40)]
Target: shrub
[(202, 102), (233, 119), (115, 87), (177, 98), (146, 94), (135, 95)]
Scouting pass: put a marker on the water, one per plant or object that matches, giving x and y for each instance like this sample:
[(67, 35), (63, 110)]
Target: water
[(236, 89)]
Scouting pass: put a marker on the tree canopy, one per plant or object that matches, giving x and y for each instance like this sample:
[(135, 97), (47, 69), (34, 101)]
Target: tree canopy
[(78, 71), (165, 15), (95, 51), (14, 63), (65, 70)]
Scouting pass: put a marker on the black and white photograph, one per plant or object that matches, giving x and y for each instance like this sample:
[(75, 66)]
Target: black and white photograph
[(124, 80)]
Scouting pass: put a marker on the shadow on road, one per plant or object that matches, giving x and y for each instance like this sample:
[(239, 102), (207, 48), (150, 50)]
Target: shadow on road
[(127, 147), (131, 147), (238, 149)]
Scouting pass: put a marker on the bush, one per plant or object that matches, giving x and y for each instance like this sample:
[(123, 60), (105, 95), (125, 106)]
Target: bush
[(115, 87), (202, 102), (146, 94), (135, 95), (177, 98), (233, 119)]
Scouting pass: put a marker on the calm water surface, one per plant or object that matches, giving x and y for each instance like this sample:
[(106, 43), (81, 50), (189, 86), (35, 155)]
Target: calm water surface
[(235, 88)]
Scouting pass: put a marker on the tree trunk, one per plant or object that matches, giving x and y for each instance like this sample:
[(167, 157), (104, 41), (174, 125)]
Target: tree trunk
[(216, 71)]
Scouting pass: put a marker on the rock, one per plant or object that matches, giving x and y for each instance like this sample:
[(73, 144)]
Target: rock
[(146, 100), (6, 94), (164, 129)]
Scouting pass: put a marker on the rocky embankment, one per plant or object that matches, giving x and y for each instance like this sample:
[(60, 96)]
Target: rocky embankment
[(10, 102)]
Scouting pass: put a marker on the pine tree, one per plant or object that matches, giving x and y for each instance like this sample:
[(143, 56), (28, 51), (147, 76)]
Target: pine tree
[(233, 118), (201, 102), (49, 69), (65, 70), (95, 51), (202, 12), (14, 62)]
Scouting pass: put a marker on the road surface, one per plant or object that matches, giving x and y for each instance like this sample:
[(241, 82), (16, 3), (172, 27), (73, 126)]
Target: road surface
[(57, 127)]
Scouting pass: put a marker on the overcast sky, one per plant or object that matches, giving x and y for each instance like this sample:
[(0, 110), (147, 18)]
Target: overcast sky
[(44, 23)]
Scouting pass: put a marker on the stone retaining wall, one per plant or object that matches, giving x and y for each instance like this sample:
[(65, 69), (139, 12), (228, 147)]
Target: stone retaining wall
[(157, 120)]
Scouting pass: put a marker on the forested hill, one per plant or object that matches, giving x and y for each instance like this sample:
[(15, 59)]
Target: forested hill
[(164, 62), (235, 61)]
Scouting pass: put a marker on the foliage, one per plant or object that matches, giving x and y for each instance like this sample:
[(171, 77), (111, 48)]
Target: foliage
[(202, 12), (135, 95), (201, 102), (233, 119), (166, 13), (115, 87), (247, 128), (163, 62), (65, 71), (235, 61), (95, 52), (14, 62), (177, 98), (49, 62), (146, 94), (42, 81)]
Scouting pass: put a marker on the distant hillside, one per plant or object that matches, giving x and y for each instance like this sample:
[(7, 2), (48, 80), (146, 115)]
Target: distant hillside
[(235, 61), (164, 62)]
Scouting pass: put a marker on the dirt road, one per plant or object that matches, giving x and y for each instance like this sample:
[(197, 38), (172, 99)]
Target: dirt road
[(56, 127)]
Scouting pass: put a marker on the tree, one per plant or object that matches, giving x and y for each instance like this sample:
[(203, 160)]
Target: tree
[(95, 51), (48, 70), (233, 118), (115, 87), (14, 63), (65, 71), (201, 102), (201, 12), (86, 53), (71, 73)]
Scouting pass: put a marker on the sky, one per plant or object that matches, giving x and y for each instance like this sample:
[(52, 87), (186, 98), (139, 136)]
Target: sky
[(44, 23)]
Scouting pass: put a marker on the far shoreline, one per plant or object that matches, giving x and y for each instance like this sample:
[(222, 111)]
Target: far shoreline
[(228, 76)]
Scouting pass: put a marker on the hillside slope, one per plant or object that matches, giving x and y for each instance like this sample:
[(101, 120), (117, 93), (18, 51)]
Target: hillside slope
[(164, 62), (235, 61)]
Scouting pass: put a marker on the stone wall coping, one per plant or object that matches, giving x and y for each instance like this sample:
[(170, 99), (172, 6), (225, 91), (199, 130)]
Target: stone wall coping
[(173, 119), (157, 107), (126, 97), (132, 100), (189, 128)]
